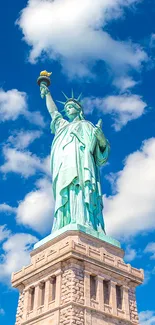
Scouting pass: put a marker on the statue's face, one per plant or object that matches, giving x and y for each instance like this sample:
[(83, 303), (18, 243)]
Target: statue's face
[(71, 111)]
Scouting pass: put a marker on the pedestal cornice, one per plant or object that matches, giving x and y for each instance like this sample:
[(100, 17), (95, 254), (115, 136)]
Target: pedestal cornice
[(73, 244)]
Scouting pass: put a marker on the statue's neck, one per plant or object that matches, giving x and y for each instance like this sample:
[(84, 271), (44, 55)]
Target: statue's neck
[(75, 119)]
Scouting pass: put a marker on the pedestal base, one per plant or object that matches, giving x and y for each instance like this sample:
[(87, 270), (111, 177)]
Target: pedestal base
[(76, 278)]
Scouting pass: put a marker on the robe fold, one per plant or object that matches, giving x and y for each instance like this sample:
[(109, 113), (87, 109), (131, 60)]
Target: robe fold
[(75, 170)]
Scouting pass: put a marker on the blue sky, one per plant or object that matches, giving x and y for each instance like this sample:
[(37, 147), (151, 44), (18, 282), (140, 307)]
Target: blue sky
[(105, 49)]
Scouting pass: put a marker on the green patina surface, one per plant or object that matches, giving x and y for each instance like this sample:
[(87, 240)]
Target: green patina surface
[(78, 150)]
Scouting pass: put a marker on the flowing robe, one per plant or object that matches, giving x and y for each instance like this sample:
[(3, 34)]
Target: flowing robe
[(75, 170)]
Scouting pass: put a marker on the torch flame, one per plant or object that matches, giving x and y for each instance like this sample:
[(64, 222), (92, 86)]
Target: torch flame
[(45, 73)]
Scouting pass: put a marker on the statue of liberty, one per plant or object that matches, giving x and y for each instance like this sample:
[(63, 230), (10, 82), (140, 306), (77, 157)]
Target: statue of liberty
[(78, 150)]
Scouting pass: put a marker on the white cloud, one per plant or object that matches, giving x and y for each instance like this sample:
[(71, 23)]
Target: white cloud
[(16, 254), (4, 233), (147, 317), (6, 208), (152, 40), (46, 165), (124, 83), (130, 254), (13, 103), (150, 248), (36, 210), (147, 276), (2, 312), (22, 139), (23, 162), (73, 33), (131, 209), (35, 118), (123, 108)]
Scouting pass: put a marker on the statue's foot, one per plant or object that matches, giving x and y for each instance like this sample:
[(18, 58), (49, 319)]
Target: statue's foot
[(89, 225)]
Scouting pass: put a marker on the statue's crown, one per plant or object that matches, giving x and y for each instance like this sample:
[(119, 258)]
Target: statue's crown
[(71, 99)]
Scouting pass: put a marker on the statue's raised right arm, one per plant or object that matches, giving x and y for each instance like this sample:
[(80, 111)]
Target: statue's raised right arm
[(44, 92)]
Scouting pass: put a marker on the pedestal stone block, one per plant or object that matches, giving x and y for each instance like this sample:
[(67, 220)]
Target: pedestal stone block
[(55, 289)]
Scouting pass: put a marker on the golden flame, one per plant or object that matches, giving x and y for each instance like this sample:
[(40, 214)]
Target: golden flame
[(45, 73)]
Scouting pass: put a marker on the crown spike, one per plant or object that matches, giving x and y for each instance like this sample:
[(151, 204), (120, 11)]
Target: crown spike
[(63, 103), (72, 93), (65, 95), (79, 97)]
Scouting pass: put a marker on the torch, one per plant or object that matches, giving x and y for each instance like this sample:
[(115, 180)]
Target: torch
[(44, 79)]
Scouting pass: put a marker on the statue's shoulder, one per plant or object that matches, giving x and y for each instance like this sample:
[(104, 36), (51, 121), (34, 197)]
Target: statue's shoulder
[(58, 122), (88, 124)]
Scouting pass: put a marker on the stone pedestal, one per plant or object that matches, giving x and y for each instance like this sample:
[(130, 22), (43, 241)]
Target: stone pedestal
[(77, 279)]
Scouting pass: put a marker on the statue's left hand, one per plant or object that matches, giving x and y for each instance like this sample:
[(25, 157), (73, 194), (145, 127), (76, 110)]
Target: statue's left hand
[(100, 136)]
